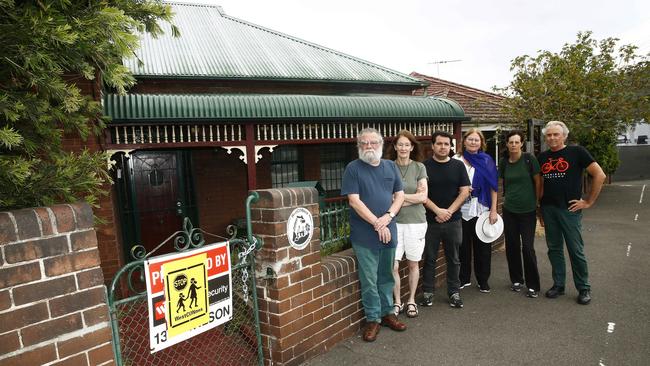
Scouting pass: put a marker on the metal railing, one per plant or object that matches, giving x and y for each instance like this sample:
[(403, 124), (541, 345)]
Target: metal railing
[(335, 226), (237, 342)]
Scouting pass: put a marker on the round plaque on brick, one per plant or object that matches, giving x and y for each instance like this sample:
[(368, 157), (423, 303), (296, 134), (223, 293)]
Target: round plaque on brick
[(300, 228)]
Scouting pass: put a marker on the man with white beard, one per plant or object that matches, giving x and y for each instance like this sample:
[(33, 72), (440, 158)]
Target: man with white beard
[(375, 193)]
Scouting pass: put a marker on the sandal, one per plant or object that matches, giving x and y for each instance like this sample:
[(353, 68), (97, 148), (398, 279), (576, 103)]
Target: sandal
[(398, 308), (411, 310)]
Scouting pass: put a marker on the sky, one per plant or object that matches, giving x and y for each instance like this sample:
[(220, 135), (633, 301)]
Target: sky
[(471, 42)]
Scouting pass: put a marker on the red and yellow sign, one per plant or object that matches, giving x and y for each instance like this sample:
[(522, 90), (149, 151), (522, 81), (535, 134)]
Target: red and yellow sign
[(188, 293)]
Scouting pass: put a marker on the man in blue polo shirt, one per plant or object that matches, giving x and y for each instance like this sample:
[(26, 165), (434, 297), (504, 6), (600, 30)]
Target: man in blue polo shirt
[(375, 193)]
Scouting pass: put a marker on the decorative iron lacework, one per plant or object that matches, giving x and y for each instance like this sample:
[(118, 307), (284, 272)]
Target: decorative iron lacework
[(160, 134), (135, 135), (326, 131)]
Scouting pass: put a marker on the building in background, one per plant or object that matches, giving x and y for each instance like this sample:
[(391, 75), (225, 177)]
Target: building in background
[(483, 107), (231, 106)]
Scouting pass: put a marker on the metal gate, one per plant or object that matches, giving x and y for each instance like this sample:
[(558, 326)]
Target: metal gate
[(236, 342)]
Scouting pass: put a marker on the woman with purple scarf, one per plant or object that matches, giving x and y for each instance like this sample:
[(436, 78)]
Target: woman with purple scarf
[(482, 173)]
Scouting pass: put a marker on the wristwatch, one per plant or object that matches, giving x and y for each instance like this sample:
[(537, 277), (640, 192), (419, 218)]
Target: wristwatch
[(392, 215)]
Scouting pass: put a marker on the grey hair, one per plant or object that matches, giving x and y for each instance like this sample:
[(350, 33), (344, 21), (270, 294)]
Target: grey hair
[(370, 130), (565, 129)]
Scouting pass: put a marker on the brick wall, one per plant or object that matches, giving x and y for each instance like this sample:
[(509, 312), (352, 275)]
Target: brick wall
[(52, 297), (220, 181), (307, 303)]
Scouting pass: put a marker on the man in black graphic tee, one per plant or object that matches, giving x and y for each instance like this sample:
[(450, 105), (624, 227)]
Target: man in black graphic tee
[(562, 205)]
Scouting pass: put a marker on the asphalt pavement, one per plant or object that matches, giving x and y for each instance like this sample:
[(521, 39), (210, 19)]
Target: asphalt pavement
[(507, 328)]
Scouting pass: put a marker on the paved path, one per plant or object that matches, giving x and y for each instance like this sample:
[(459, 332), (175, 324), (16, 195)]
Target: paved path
[(507, 328)]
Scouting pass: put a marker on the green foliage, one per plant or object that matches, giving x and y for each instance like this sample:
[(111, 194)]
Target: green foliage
[(595, 87), (341, 241), (48, 48)]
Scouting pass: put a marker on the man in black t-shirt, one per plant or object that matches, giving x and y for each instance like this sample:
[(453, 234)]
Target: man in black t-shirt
[(562, 205), (448, 189)]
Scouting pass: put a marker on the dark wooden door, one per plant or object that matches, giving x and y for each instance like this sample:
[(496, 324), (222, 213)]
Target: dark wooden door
[(155, 195)]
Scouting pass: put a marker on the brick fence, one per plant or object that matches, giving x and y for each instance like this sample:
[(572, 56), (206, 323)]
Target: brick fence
[(307, 303), (52, 296)]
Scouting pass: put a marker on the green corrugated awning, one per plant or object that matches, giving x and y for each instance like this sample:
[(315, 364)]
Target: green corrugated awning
[(285, 107)]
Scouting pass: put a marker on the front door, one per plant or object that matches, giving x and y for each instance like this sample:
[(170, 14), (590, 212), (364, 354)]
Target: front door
[(155, 195)]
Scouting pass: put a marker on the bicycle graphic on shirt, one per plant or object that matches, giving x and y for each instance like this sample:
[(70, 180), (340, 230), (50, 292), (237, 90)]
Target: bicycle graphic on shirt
[(560, 165)]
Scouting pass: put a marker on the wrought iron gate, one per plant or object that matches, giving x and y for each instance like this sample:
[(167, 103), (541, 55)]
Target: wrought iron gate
[(237, 342)]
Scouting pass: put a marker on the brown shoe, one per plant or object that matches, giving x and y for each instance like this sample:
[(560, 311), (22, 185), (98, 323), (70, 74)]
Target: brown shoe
[(370, 331), (391, 321)]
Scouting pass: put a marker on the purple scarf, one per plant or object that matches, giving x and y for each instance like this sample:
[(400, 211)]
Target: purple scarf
[(485, 176)]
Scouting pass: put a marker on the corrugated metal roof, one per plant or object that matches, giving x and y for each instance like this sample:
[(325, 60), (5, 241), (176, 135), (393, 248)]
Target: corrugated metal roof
[(233, 107), (215, 45)]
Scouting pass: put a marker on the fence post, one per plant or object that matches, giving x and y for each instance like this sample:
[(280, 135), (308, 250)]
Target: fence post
[(287, 276)]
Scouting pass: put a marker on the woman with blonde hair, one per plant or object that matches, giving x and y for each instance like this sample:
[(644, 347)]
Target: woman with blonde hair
[(482, 173), (411, 219)]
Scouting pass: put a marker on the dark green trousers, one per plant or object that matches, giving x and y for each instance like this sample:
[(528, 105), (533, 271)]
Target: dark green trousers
[(376, 280), (563, 226)]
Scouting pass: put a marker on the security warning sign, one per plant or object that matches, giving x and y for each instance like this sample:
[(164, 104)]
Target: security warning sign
[(188, 293)]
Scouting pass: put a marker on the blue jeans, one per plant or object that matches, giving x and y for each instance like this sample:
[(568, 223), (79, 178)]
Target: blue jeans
[(451, 235), (376, 279)]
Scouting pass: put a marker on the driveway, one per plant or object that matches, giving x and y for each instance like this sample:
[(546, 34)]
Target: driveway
[(507, 328)]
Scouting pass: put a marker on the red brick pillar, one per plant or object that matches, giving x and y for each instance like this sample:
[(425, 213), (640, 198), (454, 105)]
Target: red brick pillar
[(287, 277), (52, 296)]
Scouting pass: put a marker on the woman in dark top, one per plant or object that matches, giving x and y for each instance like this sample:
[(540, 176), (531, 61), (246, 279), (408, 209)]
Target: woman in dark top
[(521, 191)]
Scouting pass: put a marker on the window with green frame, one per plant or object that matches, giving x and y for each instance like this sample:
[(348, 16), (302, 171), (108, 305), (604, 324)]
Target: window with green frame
[(333, 160), (286, 166)]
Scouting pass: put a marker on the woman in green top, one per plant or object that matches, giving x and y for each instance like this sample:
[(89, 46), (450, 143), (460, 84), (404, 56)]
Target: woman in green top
[(521, 193), (411, 219)]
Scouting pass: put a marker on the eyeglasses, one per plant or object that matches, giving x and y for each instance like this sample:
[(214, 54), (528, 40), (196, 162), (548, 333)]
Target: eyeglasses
[(403, 145), (366, 143)]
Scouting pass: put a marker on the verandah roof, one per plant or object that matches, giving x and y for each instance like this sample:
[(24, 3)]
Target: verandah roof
[(287, 107)]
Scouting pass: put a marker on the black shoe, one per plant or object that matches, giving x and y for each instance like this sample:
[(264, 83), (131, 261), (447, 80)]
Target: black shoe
[(517, 286), (584, 297), (427, 299), (554, 292), (532, 293), (455, 301), (484, 288)]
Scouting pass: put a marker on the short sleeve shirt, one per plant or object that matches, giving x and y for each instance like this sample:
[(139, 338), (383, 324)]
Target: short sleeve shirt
[(520, 190), (375, 186), (562, 173), (445, 179), (411, 175)]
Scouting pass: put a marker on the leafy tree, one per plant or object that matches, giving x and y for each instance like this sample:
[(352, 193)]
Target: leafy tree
[(595, 87), (47, 47)]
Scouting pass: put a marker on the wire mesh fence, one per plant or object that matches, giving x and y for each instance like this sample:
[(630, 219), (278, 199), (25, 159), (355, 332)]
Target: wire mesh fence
[(233, 343)]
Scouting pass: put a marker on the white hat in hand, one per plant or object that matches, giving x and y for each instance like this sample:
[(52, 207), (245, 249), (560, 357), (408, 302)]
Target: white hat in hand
[(487, 232)]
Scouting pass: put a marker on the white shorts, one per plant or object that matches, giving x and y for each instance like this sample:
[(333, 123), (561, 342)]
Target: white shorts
[(410, 240)]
